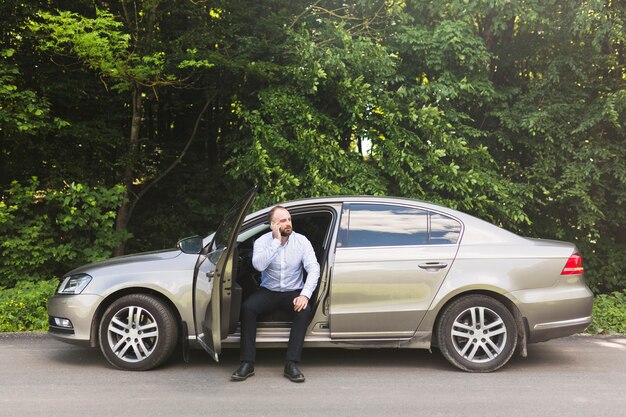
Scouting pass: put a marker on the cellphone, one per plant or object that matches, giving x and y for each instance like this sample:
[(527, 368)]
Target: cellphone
[(272, 224)]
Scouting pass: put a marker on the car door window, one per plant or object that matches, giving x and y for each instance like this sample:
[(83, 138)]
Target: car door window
[(386, 225), (370, 225), (444, 230)]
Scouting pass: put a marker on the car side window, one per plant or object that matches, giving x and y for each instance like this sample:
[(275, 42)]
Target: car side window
[(386, 225), (443, 229), (369, 225)]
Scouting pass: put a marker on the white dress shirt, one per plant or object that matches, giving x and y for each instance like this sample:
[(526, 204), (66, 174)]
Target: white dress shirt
[(282, 266)]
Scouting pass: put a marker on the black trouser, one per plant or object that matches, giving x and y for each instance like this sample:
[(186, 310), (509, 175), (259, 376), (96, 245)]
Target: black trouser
[(263, 301)]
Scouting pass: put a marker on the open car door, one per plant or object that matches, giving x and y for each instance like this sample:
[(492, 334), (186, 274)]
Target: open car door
[(214, 277)]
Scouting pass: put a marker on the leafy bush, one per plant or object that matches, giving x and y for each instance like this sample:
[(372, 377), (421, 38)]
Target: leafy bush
[(604, 266), (609, 314), (46, 232), (24, 308)]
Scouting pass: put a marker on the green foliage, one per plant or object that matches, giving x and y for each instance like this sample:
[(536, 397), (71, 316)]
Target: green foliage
[(103, 45), (351, 117), (305, 134), (565, 130), (21, 109), (609, 314), (48, 232), (510, 110), (604, 265), (24, 307)]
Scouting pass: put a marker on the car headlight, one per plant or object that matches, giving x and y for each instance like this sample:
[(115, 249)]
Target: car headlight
[(74, 284)]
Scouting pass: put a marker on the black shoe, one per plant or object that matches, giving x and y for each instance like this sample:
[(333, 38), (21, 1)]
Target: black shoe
[(245, 371), (293, 373)]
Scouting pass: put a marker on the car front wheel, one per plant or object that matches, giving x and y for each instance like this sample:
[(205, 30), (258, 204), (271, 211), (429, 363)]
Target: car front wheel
[(477, 333), (137, 332)]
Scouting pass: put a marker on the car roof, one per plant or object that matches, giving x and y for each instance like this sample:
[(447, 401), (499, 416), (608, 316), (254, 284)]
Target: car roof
[(364, 199)]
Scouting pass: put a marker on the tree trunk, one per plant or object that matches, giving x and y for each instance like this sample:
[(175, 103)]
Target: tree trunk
[(123, 213)]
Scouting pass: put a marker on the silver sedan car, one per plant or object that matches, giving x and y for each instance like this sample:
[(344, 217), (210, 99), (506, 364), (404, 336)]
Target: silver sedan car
[(395, 273)]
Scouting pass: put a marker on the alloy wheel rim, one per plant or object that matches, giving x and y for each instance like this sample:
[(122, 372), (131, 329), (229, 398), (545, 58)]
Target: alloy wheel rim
[(133, 334), (479, 334)]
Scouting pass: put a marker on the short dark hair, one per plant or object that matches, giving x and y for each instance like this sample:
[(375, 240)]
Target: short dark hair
[(272, 211)]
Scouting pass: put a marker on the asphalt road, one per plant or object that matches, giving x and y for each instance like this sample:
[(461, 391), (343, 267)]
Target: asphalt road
[(576, 376)]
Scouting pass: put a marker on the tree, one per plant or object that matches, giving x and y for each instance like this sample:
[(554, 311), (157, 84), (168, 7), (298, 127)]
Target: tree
[(126, 56), (372, 100), (129, 58), (510, 110), (564, 127)]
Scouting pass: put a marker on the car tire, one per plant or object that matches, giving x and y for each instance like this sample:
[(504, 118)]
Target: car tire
[(138, 332), (477, 333)]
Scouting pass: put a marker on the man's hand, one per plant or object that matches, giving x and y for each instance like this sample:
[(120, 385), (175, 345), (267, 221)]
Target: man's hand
[(300, 303), (276, 231)]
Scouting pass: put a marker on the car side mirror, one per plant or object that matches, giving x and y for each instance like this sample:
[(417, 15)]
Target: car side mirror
[(192, 245)]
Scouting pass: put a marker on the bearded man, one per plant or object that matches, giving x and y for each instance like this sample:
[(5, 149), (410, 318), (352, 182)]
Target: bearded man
[(281, 256)]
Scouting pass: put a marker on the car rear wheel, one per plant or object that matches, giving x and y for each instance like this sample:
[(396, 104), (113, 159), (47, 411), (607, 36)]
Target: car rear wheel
[(137, 332), (477, 333)]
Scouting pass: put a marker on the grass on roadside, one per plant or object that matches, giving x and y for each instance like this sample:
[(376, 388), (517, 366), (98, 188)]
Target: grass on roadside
[(24, 307), (609, 314)]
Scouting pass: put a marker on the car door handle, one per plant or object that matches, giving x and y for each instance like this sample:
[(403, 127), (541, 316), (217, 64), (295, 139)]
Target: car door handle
[(433, 265)]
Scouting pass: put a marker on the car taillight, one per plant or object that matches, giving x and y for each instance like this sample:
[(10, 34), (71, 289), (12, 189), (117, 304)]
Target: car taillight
[(574, 265)]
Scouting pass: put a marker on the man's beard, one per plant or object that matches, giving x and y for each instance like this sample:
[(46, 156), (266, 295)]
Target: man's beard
[(284, 232)]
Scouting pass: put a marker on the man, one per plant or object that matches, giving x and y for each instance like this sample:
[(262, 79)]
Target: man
[(281, 255)]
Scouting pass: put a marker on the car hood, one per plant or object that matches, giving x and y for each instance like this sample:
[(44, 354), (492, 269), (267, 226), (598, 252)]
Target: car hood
[(121, 261)]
